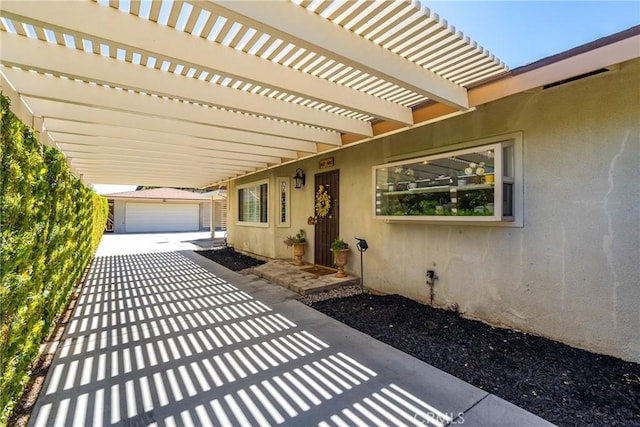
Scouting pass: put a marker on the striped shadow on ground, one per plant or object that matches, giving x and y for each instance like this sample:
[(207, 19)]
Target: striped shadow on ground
[(155, 339)]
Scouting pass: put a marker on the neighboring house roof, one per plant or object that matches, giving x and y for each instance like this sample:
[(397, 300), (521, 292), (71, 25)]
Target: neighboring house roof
[(216, 195), (159, 193)]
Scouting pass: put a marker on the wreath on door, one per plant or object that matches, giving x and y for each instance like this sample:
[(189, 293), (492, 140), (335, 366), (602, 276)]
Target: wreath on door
[(323, 201)]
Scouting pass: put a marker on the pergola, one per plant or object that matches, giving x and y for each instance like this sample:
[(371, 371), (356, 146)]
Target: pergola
[(193, 93)]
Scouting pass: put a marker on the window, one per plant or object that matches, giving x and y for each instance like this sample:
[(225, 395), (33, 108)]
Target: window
[(253, 203), (479, 184), (283, 202)]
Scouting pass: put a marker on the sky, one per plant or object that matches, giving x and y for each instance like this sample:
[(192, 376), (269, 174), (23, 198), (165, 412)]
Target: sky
[(521, 32), (108, 188)]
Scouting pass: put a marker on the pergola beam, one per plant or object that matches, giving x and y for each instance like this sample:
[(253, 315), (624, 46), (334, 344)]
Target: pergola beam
[(18, 106), (106, 144), (145, 179), (64, 111), (222, 89), (80, 151), (59, 60), (35, 85), (140, 166), (89, 153), (160, 138), (162, 42), (308, 30)]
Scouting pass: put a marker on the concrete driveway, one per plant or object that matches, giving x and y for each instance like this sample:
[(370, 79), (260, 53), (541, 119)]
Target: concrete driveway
[(170, 338), (144, 243)]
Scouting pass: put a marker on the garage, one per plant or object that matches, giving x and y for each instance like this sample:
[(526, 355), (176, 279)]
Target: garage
[(160, 210), (148, 217)]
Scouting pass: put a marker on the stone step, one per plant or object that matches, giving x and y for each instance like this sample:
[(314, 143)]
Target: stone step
[(285, 273)]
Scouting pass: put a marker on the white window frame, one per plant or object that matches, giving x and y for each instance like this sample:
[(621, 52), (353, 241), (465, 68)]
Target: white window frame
[(254, 184), (516, 139)]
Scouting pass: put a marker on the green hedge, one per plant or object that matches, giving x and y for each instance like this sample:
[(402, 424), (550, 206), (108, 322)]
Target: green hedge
[(50, 226)]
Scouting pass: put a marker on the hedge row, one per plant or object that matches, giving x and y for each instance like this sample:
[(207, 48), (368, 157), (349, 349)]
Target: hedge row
[(50, 225)]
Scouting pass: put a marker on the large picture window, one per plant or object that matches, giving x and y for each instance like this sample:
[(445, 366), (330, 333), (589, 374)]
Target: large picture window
[(478, 184), (253, 203)]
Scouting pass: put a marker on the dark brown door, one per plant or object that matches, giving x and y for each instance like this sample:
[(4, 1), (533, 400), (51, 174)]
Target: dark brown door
[(326, 227)]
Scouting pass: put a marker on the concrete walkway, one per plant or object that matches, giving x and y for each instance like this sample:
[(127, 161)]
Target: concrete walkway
[(173, 339)]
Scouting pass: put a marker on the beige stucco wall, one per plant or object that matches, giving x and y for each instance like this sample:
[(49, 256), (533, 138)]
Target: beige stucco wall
[(572, 272)]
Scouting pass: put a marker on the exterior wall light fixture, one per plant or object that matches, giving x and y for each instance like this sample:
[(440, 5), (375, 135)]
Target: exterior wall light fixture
[(299, 178)]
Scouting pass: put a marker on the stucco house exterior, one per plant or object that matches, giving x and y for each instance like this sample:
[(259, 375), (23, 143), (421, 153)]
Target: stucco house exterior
[(561, 259), (517, 189), (159, 210)]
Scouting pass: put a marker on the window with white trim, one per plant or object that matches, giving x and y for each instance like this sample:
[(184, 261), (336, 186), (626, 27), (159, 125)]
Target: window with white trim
[(467, 184), (253, 203)]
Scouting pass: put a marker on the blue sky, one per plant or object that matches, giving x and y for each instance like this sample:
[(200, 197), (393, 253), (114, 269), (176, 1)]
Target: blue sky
[(521, 32)]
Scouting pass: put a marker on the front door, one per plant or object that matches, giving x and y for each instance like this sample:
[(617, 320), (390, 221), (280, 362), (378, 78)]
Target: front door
[(327, 186)]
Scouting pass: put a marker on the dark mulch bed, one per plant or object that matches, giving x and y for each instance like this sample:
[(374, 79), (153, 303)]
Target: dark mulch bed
[(564, 385), (231, 259)]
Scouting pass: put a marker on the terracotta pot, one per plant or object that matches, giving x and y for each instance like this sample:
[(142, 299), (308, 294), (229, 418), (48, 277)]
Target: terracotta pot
[(340, 258), (298, 253)]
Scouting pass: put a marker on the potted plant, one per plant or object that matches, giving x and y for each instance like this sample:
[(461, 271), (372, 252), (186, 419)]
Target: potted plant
[(340, 251), (298, 242)]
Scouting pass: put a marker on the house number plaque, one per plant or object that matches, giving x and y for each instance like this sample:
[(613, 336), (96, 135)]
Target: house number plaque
[(326, 163)]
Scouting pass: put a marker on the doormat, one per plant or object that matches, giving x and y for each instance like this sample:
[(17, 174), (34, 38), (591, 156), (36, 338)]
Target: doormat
[(318, 270)]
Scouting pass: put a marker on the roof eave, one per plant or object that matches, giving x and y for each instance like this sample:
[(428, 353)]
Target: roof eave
[(602, 53)]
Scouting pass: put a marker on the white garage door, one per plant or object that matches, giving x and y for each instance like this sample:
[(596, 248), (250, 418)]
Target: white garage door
[(145, 217)]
